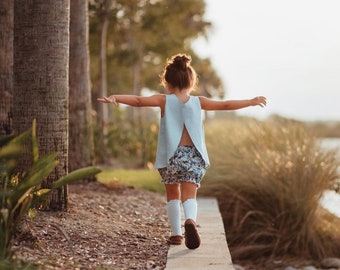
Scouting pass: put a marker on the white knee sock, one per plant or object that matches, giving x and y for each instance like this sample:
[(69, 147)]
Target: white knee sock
[(190, 209), (174, 215)]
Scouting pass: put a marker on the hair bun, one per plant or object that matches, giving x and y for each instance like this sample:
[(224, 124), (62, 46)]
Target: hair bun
[(181, 61)]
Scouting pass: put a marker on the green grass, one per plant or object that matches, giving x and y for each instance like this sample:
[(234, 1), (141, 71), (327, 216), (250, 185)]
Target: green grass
[(144, 179)]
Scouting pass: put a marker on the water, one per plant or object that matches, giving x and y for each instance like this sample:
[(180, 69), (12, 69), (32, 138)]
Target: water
[(330, 143), (330, 199)]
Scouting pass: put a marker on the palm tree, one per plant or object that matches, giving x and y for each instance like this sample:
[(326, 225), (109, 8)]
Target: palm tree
[(40, 86), (6, 64), (81, 150), (104, 10)]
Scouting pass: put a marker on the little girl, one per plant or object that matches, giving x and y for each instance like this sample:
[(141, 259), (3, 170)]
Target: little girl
[(182, 157)]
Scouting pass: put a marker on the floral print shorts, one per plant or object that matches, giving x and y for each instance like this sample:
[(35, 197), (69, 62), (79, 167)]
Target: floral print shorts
[(186, 165)]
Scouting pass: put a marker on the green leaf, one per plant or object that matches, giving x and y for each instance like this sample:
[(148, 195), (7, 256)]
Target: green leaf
[(35, 148), (6, 139), (4, 214), (24, 200), (76, 175), (21, 138), (10, 151), (39, 171), (32, 213), (42, 192)]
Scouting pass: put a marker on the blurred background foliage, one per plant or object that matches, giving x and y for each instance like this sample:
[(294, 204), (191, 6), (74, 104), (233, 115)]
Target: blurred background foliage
[(128, 143)]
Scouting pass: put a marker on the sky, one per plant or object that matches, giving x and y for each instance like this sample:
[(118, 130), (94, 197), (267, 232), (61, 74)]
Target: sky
[(286, 50)]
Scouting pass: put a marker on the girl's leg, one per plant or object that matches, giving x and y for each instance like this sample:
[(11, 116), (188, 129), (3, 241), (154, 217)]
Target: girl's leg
[(188, 196), (189, 191), (174, 208), (172, 192)]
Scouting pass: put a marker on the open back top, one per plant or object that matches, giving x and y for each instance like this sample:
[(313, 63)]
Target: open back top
[(178, 115)]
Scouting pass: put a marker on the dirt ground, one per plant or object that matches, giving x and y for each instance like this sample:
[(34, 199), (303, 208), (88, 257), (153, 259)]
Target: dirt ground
[(105, 228), (116, 227)]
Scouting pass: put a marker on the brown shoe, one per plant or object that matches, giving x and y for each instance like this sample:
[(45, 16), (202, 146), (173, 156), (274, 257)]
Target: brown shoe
[(192, 237), (175, 240)]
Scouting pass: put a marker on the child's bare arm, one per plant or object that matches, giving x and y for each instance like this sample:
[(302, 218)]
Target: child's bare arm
[(134, 100), (215, 105)]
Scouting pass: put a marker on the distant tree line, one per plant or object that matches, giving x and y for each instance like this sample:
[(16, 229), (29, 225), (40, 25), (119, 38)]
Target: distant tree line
[(324, 129), (320, 129)]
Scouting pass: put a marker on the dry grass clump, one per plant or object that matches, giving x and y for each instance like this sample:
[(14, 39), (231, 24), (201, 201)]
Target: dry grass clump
[(269, 179)]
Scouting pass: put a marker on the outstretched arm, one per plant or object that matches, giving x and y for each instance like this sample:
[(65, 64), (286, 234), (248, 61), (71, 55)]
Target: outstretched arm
[(134, 100), (215, 105)]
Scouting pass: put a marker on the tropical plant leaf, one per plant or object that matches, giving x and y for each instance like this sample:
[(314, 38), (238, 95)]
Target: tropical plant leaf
[(10, 151), (35, 148), (42, 192), (22, 198), (6, 139), (20, 193), (4, 214), (20, 139), (39, 171), (76, 175), (32, 213), (36, 175)]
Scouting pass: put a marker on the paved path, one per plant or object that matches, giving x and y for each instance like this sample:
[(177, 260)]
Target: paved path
[(213, 254)]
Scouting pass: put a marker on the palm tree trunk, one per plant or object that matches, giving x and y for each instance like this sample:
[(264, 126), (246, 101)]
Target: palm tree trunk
[(6, 65), (102, 110), (40, 90), (81, 149)]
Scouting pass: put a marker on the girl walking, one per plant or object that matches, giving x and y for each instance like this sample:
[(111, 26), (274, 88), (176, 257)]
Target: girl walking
[(182, 157)]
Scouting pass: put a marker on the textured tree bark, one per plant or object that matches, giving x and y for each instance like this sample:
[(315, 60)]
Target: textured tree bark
[(81, 149), (6, 65), (40, 89), (102, 109)]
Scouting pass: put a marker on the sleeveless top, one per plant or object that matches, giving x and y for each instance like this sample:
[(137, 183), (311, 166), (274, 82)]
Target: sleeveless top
[(176, 116)]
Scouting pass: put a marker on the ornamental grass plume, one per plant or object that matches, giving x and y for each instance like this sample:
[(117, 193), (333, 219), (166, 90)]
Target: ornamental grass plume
[(268, 178)]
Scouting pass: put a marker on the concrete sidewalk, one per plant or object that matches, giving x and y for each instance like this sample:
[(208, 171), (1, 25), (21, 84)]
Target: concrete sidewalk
[(213, 253)]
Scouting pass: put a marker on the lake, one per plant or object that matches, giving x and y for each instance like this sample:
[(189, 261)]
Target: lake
[(330, 143)]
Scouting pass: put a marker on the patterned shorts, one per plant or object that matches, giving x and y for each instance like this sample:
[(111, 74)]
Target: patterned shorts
[(186, 165)]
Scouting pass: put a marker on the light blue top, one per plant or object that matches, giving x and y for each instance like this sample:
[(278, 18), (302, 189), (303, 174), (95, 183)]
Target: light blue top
[(176, 116)]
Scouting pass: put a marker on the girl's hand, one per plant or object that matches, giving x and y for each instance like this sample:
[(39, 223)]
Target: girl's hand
[(110, 99), (261, 101)]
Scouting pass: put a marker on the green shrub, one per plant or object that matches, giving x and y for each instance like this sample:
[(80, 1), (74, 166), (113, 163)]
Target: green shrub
[(21, 193), (269, 178), (132, 142)]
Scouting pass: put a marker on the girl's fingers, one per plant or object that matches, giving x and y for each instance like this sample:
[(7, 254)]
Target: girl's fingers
[(104, 100)]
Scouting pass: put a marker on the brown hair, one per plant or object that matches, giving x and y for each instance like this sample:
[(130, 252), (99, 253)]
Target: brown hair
[(179, 73)]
